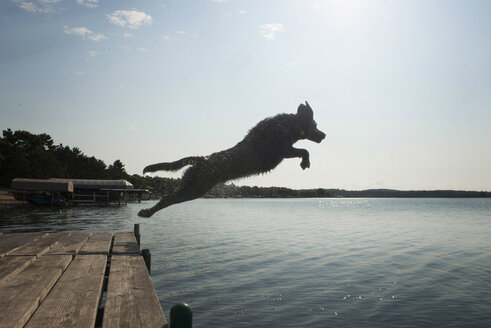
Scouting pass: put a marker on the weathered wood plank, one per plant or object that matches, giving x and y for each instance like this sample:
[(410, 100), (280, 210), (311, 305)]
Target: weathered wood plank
[(131, 299), (98, 243), (69, 244), (12, 265), (38, 246), (11, 241), (125, 243), (22, 293), (74, 299)]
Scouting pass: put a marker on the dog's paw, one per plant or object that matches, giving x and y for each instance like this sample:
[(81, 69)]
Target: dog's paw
[(305, 164), (145, 213)]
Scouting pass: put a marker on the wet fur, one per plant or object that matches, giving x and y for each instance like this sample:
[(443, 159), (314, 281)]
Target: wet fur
[(263, 148)]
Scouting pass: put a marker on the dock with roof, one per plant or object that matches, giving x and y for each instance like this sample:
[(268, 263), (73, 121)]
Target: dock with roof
[(61, 192)]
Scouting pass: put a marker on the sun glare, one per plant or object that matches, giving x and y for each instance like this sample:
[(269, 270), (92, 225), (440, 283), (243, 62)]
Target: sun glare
[(343, 13)]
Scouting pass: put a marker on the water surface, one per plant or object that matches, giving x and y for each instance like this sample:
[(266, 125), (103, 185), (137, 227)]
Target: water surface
[(306, 262)]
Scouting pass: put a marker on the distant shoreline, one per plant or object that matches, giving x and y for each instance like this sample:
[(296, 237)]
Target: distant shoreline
[(392, 193), (233, 191), (6, 197), (285, 193)]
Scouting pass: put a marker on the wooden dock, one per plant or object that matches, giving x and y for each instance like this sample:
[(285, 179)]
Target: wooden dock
[(75, 279)]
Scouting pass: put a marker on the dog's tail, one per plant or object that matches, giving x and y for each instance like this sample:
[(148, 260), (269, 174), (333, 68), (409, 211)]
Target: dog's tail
[(172, 166)]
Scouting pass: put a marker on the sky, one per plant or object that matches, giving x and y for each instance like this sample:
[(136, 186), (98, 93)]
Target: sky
[(401, 88)]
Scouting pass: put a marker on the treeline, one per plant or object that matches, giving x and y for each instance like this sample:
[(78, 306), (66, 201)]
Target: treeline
[(27, 155), (390, 193), (35, 156), (233, 191)]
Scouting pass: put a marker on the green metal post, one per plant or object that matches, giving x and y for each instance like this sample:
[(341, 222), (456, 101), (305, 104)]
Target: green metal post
[(181, 316)]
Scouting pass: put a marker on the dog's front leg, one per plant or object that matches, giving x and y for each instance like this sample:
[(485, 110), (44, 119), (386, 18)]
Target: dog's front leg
[(305, 159), (303, 153)]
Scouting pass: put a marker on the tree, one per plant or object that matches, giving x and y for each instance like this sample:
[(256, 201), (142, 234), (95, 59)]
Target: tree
[(27, 155), (117, 170)]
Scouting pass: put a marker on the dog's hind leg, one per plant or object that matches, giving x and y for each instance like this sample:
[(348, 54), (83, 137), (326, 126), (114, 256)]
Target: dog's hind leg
[(192, 186), (180, 195), (166, 201)]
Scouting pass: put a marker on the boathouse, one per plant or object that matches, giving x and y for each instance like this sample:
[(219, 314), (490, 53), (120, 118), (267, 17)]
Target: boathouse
[(76, 191), (41, 191)]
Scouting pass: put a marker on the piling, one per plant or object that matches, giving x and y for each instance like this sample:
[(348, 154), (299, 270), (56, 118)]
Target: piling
[(136, 231), (147, 258), (181, 316)]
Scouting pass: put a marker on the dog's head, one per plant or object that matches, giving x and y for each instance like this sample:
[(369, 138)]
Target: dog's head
[(308, 127)]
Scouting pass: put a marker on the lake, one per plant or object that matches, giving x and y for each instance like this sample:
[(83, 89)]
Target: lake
[(306, 262)]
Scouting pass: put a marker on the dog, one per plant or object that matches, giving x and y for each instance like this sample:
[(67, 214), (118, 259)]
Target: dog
[(262, 149)]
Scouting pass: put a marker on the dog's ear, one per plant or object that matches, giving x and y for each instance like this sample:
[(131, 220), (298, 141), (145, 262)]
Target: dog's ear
[(305, 112)]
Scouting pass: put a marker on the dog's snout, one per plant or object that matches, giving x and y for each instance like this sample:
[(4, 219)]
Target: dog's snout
[(320, 136)]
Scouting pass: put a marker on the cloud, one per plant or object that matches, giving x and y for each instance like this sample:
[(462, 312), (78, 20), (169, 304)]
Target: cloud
[(242, 11), (129, 18), (96, 37), (269, 31), (39, 6), (89, 3), (84, 32), (128, 48), (187, 34), (93, 53), (29, 6)]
